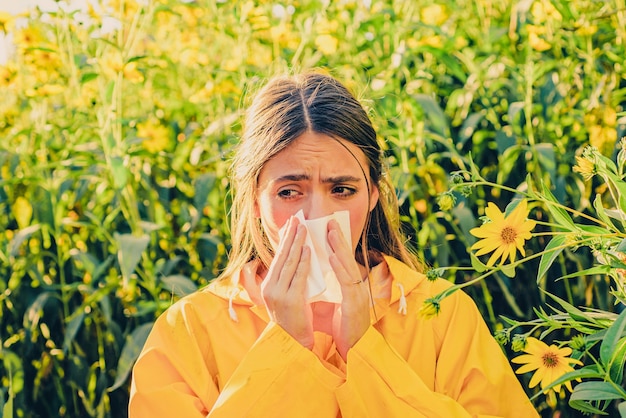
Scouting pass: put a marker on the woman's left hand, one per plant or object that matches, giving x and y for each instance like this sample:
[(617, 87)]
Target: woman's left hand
[(352, 316)]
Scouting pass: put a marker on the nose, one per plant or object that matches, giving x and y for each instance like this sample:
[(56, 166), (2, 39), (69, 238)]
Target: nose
[(317, 206)]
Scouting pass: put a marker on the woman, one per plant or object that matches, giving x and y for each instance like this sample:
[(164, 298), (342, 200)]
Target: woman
[(253, 344)]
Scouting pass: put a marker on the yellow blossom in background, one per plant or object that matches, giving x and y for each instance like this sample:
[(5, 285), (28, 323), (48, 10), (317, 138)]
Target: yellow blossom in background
[(586, 30), (112, 65), (544, 10), (585, 167), (535, 38), (549, 363), (284, 35), (124, 9), (50, 89), (132, 74), (503, 235), (326, 43), (23, 211), (155, 136), (7, 22), (434, 14), (434, 41), (28, 37), (259, 55), (203, 95), (8, 73), (601, 123)]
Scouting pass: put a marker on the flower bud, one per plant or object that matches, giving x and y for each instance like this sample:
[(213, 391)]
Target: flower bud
[(519, 342)]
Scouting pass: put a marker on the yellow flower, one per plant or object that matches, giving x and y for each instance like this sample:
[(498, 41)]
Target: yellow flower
[(585, 167), (430, 308), (435, 14), (543, 11), (132, 74), (6, 22), (433, 41), (51, 89), (23, 212), (156, 137), (550, 363), (503, 235), (326, 43)]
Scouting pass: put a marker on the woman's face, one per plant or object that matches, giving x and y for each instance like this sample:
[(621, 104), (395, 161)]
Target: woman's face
[(317, 174)]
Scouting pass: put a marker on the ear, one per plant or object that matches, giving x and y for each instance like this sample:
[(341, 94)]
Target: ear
[(374, 197)]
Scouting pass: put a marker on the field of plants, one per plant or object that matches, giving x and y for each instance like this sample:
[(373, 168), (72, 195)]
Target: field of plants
[(502, 123)]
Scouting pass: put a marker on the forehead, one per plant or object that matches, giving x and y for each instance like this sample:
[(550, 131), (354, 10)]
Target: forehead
[(314, 151)]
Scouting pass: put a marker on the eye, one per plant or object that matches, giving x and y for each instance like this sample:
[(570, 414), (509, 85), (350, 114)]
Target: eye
[(288, 193), (344, 191)]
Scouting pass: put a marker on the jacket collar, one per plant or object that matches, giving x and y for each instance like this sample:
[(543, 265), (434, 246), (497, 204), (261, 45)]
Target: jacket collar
[(403, 281)]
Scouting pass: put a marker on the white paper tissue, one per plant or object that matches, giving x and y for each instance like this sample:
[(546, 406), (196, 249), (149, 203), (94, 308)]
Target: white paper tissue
[(322, 284)]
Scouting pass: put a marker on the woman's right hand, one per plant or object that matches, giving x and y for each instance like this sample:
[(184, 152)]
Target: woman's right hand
[(284, 288)]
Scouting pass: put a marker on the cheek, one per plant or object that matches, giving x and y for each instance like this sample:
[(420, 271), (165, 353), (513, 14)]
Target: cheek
[(273, 218)]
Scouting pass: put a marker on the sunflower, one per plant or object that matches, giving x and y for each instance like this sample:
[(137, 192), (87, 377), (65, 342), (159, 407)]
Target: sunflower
[(503, 234), (550, 363)]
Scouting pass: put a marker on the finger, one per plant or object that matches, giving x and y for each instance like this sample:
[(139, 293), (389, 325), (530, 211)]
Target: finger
[(282, 252), (342, 259), (336, 239), (299, 281), (292, 262)]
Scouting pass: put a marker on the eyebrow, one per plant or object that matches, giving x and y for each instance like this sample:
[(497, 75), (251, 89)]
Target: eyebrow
[(332, 180)]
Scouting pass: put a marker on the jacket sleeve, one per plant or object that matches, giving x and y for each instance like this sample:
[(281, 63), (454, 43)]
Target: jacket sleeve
[(175, 375), (473, 378)]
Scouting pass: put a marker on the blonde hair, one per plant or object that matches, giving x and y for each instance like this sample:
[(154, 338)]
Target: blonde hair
[(284, 109)]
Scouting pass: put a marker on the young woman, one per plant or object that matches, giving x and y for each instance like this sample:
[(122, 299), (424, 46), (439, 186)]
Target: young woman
[(253, 344)]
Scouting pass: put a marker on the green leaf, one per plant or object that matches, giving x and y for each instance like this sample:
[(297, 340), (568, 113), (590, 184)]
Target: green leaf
[(33, 314), (621, 188), (621, 408), (600, 211), (506, 163), (545, 153), (72, 329), (134, 343), (130, 248), (597, 270), (86, 77), (12, 364), (202, 186), (593, 391), (612, 339), (550, 253), (119, 173), (7, 409), (469, 126), (615, 367), (559, 214), (587, 372), (508, 270), (587, 392), (477, 264), (434, 113), (574, 313), (179, 285), (20, 237)]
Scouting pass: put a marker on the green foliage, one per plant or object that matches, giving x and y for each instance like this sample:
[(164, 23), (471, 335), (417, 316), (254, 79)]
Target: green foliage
[(117, 123)]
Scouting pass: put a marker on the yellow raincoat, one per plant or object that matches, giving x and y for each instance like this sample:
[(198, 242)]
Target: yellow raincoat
[(203, 359)]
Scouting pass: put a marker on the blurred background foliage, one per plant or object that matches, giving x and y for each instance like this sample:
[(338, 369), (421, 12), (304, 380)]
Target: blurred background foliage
[(117, 120)]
